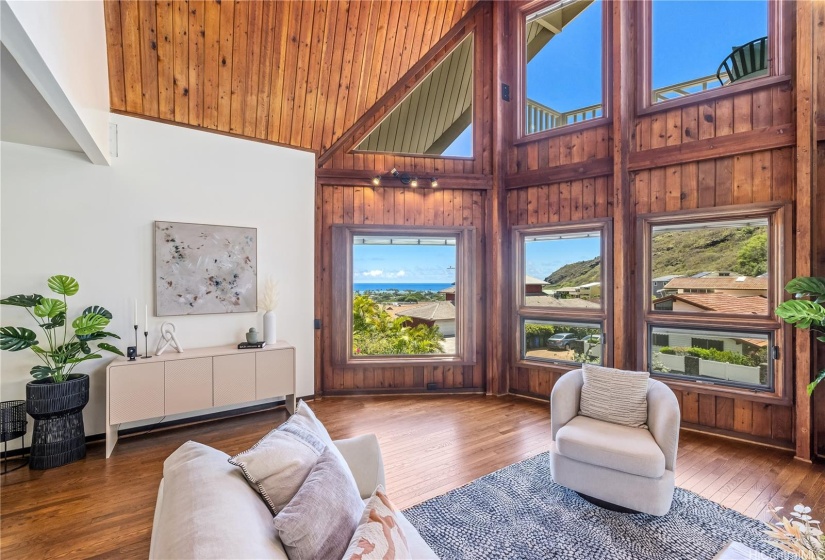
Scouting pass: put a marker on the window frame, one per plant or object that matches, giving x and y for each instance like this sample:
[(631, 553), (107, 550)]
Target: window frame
[(342, 295), (520, 78), (779, 64), (522, 312), (779, 216)]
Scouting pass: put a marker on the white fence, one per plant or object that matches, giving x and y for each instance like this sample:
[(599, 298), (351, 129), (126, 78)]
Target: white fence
[(708, 368)]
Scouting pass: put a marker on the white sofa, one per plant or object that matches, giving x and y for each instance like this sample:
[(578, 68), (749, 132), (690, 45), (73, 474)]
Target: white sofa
[(624, 466), (206, 509)]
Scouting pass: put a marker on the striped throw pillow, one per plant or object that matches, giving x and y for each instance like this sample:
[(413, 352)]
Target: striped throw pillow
[(615, 395)]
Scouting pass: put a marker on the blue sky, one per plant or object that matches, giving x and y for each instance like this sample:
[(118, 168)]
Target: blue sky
[(541, 258), (463, 145), (690, 40), (380, 264)]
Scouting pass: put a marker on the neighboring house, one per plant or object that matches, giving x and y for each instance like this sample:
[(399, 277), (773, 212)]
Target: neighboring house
[(563, 293), (734, 285), (432, 313), (592, 290), (658, 283), (449, 293), (719, 302), (534, 285)]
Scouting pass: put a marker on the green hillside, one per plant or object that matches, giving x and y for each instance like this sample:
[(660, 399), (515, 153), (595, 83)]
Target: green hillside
[(576, 274), (740, 250)]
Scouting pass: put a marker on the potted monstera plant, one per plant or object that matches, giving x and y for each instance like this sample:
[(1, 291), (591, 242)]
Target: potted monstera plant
[(57, 395), (806, 311)]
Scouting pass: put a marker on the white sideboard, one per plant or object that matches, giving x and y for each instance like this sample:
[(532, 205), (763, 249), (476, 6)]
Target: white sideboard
[(194, 380)]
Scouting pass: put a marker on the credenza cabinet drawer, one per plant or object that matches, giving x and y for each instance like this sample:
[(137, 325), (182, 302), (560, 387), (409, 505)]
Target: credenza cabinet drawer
[(188, 385), (234, 379), (136, 392), (274, 375)]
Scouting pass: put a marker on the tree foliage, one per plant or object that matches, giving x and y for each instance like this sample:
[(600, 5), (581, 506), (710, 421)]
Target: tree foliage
[(375, 332), (752, 259)]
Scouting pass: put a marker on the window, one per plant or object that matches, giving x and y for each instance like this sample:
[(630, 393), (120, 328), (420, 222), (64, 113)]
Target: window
[(563, 342), (560, 293), (711, 267), (403, 294), (692, 51), (712, 280), (564, 64), (738, 359), (436, 118)]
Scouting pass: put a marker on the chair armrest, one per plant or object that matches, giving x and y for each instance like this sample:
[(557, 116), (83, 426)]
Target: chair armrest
[(363, 457), (663, 420), (565, 399)]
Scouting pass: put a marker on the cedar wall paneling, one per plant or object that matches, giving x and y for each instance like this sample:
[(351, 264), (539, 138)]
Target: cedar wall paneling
[(819, 215), (739, 176), (298, 73), (409, 207)]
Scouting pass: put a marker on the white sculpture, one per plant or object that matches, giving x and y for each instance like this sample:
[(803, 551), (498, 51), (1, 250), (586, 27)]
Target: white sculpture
[(168, 338)]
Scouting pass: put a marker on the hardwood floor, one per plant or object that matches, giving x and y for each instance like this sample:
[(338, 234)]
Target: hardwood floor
[(431, 444)]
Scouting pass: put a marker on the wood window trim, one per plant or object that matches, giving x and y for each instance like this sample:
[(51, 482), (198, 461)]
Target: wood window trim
[(521, 312), (780, 264), (778, 29), (518, 48), (342, 280)]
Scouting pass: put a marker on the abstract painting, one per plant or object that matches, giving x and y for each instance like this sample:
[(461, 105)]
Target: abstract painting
[(201, 269)]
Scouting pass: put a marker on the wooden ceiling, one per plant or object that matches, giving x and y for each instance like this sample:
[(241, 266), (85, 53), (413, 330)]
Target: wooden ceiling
[(298, 73)]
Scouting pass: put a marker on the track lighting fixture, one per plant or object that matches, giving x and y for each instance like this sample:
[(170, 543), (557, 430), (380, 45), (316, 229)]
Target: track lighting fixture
[(434, 183), (376, 180), (406, 179)]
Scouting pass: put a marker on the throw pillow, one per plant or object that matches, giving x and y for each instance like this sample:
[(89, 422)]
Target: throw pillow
[(279, 463), (378, 536), (320, 520), (615, 395)]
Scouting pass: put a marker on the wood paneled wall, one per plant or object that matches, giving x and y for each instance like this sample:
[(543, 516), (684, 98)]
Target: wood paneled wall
[(734, 149), (298, 73), (408, 207)]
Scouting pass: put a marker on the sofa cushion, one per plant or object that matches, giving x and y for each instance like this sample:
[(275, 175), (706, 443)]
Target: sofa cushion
[(621, 448), (614, 395), (209, 511), (279, 463), (379, 534), (322, 517)]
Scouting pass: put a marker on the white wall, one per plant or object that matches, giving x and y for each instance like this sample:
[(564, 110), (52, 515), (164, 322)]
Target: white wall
[(61, 46), (62, 215)]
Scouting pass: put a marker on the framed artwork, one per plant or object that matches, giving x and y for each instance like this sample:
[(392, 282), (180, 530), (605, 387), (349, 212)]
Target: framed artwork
[(204, 269)]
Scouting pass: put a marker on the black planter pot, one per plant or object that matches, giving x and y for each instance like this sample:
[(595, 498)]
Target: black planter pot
[(59, 437)]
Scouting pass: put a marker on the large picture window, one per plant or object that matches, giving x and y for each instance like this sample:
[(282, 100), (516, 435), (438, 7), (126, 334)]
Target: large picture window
[(561, 294), (402, 294), (712, 280), (695, 47), (563, 64)]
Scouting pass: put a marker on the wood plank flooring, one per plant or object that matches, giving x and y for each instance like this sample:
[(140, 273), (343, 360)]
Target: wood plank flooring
[(431, 444)]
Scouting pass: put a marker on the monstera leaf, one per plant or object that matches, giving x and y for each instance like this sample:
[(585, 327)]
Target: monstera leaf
[(14, 338), (100, 335), (41, 372), (802, 312), (50, 308), (63, 285), (83, 358), (22, 300), (88, 324), (57, 321), (806, 286), (109, 348), (97, 310)]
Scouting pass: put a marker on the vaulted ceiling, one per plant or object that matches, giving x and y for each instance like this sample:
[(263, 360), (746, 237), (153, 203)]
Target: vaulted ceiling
[(299, 73)]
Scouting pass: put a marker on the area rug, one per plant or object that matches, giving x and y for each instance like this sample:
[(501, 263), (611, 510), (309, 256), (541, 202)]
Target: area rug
[(519, 512)]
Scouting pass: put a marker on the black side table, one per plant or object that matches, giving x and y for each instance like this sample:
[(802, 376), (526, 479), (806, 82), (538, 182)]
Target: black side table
[(12, 425)]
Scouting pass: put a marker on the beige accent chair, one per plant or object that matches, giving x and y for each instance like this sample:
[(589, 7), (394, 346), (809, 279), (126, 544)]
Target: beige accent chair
[(628, 467)]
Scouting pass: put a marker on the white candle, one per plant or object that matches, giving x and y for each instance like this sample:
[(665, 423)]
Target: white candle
[(146, 320), (134, 317)]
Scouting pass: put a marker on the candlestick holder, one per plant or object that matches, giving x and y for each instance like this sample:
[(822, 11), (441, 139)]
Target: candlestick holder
[(146, 346)]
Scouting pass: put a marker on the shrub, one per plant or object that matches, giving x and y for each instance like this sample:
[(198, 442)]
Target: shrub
[(713, 355)]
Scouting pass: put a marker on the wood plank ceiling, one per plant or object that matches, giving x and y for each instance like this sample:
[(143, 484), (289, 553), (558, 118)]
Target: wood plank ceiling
[(298, 73)]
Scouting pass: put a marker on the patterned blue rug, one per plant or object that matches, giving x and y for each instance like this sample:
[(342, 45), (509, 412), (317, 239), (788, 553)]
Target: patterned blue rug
[(519, 512)]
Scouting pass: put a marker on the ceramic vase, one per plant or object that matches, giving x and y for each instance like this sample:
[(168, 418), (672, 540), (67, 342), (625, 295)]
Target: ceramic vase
[(269, 327)]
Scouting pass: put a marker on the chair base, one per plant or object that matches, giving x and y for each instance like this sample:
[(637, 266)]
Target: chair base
[(606, 505)]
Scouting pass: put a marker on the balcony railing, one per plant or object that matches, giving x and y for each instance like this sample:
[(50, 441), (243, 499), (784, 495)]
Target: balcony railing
[(685, 88), (541, 117)]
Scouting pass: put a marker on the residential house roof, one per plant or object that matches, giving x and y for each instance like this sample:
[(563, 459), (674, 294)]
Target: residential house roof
[(722, 303), (718, 282), (667, 278), (550, 301), (533, 280), (430, 311)]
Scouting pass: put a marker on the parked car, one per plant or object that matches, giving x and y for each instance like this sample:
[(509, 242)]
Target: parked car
[(560, 341), (592, 339)]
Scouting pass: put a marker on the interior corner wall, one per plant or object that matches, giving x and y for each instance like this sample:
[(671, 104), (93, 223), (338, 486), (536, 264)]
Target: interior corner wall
[(63, 215)]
